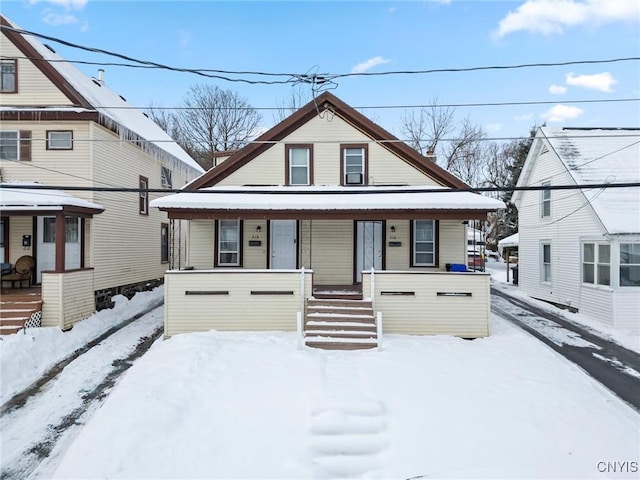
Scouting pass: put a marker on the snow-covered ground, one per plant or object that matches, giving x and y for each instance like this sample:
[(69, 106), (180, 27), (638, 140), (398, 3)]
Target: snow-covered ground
[(253, 405)]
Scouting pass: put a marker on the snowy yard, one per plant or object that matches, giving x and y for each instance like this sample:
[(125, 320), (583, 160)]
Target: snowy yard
[(231, 405)]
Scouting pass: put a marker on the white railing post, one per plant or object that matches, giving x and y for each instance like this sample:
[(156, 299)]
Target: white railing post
[(373, 290), (302, 310), (379, 329)]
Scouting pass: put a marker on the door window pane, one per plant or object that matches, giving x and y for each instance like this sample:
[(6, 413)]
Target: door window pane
[(423, 243), (228, 242), (71, 230), (49, 230)]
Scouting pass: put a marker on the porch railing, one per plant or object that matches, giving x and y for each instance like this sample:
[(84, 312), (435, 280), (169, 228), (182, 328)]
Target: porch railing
[(431, 303)]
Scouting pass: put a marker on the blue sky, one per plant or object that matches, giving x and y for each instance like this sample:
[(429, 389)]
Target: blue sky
[(370, 36)]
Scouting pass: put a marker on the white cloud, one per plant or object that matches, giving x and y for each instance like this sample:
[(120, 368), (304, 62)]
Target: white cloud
[(553, 16), (184, 38), (369, 64), (561, 113), (493, 127), (52, 18), (598, 81), (68, 4), (557, 89), (523, 118)]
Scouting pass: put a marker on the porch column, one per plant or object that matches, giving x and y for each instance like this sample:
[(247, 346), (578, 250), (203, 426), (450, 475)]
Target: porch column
[(61, 237)]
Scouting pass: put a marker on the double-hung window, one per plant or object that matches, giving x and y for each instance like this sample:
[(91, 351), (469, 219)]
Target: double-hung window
[(143, 195), (545, 266), (596, 263), (164, 242), (630, 264), (59, 140), (354, 164), (9, 145), (299, 165), (229, 239), (545, 200), (8, 83), (424, 243)]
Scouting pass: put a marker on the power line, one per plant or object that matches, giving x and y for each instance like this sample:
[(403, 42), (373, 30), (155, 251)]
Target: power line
[(317, 80)]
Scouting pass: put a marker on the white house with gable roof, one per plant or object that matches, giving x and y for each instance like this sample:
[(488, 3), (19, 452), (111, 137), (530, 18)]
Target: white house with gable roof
[(581, 248)]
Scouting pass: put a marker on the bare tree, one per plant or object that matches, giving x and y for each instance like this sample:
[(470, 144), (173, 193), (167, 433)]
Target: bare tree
[(300, 96), (215, 120), (424, 130), (465, 154)]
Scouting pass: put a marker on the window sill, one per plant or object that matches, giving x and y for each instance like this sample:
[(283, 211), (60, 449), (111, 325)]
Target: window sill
[(601, 288)]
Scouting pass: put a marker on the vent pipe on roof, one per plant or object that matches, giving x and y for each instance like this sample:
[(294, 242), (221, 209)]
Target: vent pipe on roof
[(431, 155), (101, 76)]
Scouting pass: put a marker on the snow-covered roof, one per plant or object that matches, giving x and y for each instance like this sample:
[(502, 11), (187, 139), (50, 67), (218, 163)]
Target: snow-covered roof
[(114, 109), (33, 199), (510, 241), (330, 197), (596, 156)]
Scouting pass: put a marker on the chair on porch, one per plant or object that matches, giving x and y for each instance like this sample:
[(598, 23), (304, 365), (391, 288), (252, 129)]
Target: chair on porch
[(23, 270)]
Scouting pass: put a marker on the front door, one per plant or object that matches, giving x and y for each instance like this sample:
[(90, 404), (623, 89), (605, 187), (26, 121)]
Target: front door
[(283, 244), (47, 245), (368, 247)]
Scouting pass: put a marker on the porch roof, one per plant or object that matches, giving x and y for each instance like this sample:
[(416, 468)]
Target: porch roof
[(327, 201), (34, 198)]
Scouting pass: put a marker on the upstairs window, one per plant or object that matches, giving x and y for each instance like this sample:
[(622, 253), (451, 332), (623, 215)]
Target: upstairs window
[(354, 164), (8, 74), (59, 140), (630, 264), (165, 178), (143, 185), (596, 264), (15, 145), (545, 200), (9, 149), (299, 165), (424, 243)]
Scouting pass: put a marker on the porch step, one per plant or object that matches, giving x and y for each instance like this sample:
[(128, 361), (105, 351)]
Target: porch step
[(16, 311), (348, 292), (340, 324)]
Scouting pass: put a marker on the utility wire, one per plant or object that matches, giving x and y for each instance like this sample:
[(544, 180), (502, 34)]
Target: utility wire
[(317, 80)]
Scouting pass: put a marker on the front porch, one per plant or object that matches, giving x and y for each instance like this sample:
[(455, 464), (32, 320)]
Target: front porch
[(406, 302)]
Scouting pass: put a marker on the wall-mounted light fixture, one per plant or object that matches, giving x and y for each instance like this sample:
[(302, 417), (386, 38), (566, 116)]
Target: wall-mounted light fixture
[(258, 228), (393, 229)]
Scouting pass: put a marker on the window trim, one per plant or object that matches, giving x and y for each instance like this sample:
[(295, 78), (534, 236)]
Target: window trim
[(620, 265), (15, 75), (436, 243), (543, 279), (143, 196), (164, 247), (595, 264), (288, 166), (240, 226), (545, 199), (48, 142), (343, 164)]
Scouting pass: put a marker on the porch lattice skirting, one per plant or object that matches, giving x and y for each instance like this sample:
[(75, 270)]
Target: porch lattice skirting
[(338, 324), (18, 312)]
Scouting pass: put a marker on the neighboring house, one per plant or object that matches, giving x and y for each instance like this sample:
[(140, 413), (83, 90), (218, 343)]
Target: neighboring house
[(324, 203), (581, 248), (61, 129)]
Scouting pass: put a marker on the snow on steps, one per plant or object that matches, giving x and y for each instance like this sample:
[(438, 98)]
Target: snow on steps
[(339, 324), (16, 311)]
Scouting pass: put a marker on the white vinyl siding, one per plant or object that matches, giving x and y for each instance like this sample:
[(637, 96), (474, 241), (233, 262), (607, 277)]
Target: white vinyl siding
[(67, 298), (34, 88), (384, 167)]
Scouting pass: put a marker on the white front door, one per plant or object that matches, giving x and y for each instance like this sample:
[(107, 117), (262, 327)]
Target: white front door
[(368, 247), (283, 244), (47, 244)]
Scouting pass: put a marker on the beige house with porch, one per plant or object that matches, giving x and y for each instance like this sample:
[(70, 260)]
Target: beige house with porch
[(329, 224), (68, 146)]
